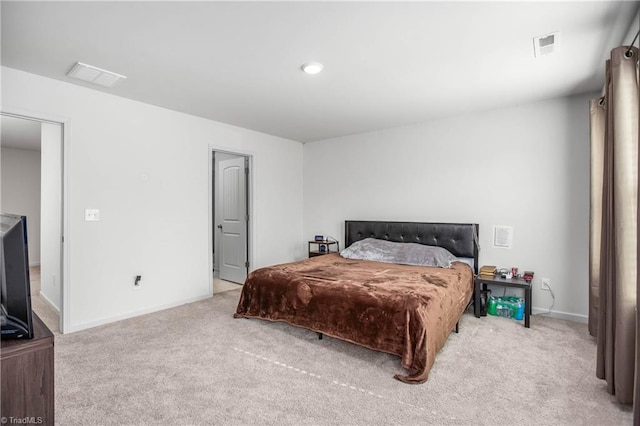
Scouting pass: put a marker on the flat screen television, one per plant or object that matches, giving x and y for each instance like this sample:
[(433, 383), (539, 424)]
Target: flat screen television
[(16, 317)]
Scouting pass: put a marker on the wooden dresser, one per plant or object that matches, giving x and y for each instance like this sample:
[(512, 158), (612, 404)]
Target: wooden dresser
[(27, 378)]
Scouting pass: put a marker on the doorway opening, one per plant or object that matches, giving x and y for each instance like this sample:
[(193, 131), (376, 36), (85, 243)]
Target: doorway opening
[(32, 186), (231, 225)]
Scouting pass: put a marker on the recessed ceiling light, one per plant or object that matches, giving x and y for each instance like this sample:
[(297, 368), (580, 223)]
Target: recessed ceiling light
[(94, 75), (312, 67)]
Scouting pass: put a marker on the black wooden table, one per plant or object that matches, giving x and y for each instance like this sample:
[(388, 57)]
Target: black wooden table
[(480, 284)]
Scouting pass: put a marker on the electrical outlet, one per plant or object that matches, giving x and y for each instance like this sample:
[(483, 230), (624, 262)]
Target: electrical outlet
[(545, 284), (92, 215)]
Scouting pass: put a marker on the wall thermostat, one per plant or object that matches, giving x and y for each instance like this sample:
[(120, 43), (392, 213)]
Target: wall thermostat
[(319, 238)]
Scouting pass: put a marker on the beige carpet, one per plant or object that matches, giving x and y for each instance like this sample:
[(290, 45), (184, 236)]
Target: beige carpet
[(47, 313), (195, 364), (220, 286)]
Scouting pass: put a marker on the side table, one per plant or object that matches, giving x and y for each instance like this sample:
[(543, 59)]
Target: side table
[(480, 284), (318, 248), (28, 378)]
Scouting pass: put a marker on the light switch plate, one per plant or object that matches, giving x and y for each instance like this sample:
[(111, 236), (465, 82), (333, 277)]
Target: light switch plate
[(92, 215)]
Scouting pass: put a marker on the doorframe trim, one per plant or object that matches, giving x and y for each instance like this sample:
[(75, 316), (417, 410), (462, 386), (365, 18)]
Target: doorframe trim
[(251, 184), (65, 230)]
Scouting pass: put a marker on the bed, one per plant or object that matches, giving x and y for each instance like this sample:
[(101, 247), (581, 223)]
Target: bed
[(404, 310)]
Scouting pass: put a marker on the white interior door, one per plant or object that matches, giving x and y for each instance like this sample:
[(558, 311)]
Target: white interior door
[(232, 229)]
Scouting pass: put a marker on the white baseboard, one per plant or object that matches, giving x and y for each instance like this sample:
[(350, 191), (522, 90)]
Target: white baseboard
[(83, 326), (49, 302), (561, 315)]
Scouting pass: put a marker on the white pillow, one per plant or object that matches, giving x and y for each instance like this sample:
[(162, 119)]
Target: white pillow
[(402, 253)]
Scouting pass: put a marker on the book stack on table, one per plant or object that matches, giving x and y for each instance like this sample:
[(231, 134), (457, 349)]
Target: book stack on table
[(487, 271)]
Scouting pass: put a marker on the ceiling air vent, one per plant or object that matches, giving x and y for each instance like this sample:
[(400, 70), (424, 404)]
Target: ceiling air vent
[(94, 75), (545, 44)]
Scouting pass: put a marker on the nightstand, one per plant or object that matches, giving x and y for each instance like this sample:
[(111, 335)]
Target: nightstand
[(318, 248), (480, 284)]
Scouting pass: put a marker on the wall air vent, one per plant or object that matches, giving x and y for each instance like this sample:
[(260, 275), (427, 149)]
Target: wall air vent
[(94, 75), (546, 44)]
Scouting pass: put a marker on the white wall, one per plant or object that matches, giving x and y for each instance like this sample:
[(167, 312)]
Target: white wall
[(147, 169), (21, 192), (51, 208), (526, 167)]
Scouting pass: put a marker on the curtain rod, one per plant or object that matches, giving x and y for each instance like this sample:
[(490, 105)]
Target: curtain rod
[(631, 45)]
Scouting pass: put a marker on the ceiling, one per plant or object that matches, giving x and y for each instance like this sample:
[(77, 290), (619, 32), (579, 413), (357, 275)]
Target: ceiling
[(386, 64)]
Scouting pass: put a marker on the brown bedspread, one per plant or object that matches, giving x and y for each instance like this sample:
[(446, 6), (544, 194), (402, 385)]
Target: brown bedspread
[(399, 309)]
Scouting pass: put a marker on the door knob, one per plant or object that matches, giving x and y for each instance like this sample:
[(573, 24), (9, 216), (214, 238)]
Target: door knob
[(219, 226)]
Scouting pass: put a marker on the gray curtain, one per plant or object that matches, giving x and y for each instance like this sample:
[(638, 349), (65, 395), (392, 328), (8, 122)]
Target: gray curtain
[(613, 251)]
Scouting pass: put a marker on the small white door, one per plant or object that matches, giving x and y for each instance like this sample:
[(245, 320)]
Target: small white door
[(232, 229)]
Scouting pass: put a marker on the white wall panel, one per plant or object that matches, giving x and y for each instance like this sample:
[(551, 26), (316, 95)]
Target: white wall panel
[(21, 192), (147, 170), (51, 207), (526, 167)]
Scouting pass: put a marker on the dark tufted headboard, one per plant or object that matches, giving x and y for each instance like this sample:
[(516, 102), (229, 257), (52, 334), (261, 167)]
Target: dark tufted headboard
[(459, 238)]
